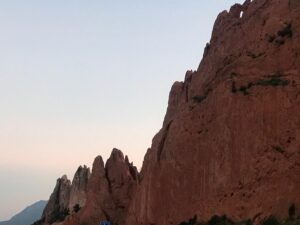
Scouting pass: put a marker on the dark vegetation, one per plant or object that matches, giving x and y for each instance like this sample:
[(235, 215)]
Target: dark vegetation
[(224, 220), (192, 221), (59, 216), (254, 56), (215, 220), (278, 149), (273, 80), (39, 222), (199, 98), (76, 208), (292, 211), (285, 32), (243, 89), (271, 220), (271, 38)]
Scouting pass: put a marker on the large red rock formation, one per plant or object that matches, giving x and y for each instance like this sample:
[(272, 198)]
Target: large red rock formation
[(230, 142)]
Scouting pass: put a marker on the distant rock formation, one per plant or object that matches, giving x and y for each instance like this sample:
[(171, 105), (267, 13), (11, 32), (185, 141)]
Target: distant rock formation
[(103, 195)]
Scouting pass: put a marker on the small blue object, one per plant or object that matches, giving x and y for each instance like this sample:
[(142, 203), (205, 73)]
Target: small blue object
[(104, 223)]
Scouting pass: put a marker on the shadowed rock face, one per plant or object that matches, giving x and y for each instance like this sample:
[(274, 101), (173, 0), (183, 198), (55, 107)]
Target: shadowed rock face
[(66, 195), (58, 201), (230, 142)]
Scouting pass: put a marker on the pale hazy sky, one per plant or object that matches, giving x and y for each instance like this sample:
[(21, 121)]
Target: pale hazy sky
[(78, 78)]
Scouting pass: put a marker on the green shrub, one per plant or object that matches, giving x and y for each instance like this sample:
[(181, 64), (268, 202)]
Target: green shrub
[(59, 216), (224, 220), (192, 221), (278, 149), (199, 98), (270, 221), (76, 208), (271, 38), (272, 81), (244, 222), (254, 56), (286, 31), (219, 220), (244, 89), (292, 211), (184, 223)]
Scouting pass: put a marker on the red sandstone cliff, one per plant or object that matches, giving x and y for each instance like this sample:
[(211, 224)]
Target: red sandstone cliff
[(230, 140)]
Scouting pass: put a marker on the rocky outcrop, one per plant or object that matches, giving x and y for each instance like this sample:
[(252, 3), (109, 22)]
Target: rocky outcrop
[(122, 178), (109, 191), (230, 139), (99, 203), (78, 192), (59, 200), (67, 197)]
